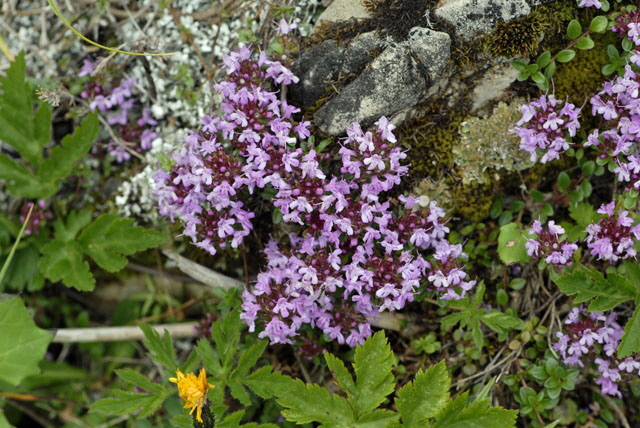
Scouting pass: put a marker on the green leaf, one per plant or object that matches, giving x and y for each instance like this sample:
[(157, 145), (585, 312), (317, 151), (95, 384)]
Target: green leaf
[(20, 180), (564, 181), (373, 362), (585, 43), (312, 403), (501, 322), (63, 261), (589, 284), (226, 335), (266, 383), (550, 70), (126, 402), (73, 147), (425, 396), (543, 59), (248, 359), (539, 78), (379, 418), (477, 415), (160, 349), (110, 238), (519, 65), (24, 130), (22, 343), (565, 55), (599, 24), (630, 342), (511, 248), (341, 374), (574, 29)]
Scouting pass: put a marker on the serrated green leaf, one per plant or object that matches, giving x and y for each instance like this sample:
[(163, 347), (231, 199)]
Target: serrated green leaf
[(134, 378), (599, 24), (565, 55), (585, 43), (226, 335), (63, 261), (20, 180), (630, 342), (341, 374), (248, 359), (425, 396), (588, 284), (266, 383), (126, 402), (160, 348), (574, 29), (110, 238), (238, 392), (479, 415), (379, 418), (67, 231), (24, 130), (373, 362), (210, 358), (73, 147), (306, 403), (22, 343), (511, 248)]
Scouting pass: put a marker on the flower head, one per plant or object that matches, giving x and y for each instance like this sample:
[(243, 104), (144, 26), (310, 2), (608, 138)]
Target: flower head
[(193, 390)]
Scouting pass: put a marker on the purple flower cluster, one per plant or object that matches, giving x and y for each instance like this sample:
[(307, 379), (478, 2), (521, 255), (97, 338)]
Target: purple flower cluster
[(613, 236), (251, 145), (548, 244), (628, 25), (588, 336), (350, 250), (618, 105), (545, 127), (117, 103)]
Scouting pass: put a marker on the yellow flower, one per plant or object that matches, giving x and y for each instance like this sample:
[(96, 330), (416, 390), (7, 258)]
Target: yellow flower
[(193, 390)]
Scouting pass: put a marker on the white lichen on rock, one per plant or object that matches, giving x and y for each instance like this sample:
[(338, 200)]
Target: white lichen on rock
[(488, 144)]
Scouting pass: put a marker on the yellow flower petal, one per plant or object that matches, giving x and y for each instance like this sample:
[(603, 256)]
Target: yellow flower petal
[(193, 390)]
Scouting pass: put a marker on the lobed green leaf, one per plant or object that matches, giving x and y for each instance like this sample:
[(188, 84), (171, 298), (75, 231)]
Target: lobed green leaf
[(373, 363), (22, 343), (63, 261), (425, 396), (630, 342)]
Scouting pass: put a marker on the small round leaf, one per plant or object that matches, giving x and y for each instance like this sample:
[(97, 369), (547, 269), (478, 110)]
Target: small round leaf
[(565, 55), (550, 70), (585, 43), (574, 29), (599, 24), (543, 59)]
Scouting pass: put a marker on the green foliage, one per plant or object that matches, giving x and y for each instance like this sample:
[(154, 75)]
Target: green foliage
[(422, 402), (29, 132), (22, 343), (107, 240), (472, 314), (511, 242), (605, 293), (126, 402)]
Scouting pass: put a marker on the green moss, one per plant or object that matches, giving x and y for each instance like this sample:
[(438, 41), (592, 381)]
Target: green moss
[(431, 140), (518, 37), (580, 78), (472, 202)]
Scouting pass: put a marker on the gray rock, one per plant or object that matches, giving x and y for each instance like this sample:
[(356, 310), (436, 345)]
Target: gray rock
[(396, 79), (323, 64), (471, 18), (493, 85), (341, 10)]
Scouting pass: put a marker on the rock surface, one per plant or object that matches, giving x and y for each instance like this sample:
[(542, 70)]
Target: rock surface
[(325, 63), (471, 18), (341, 10), (493, 85), (396, 79)]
